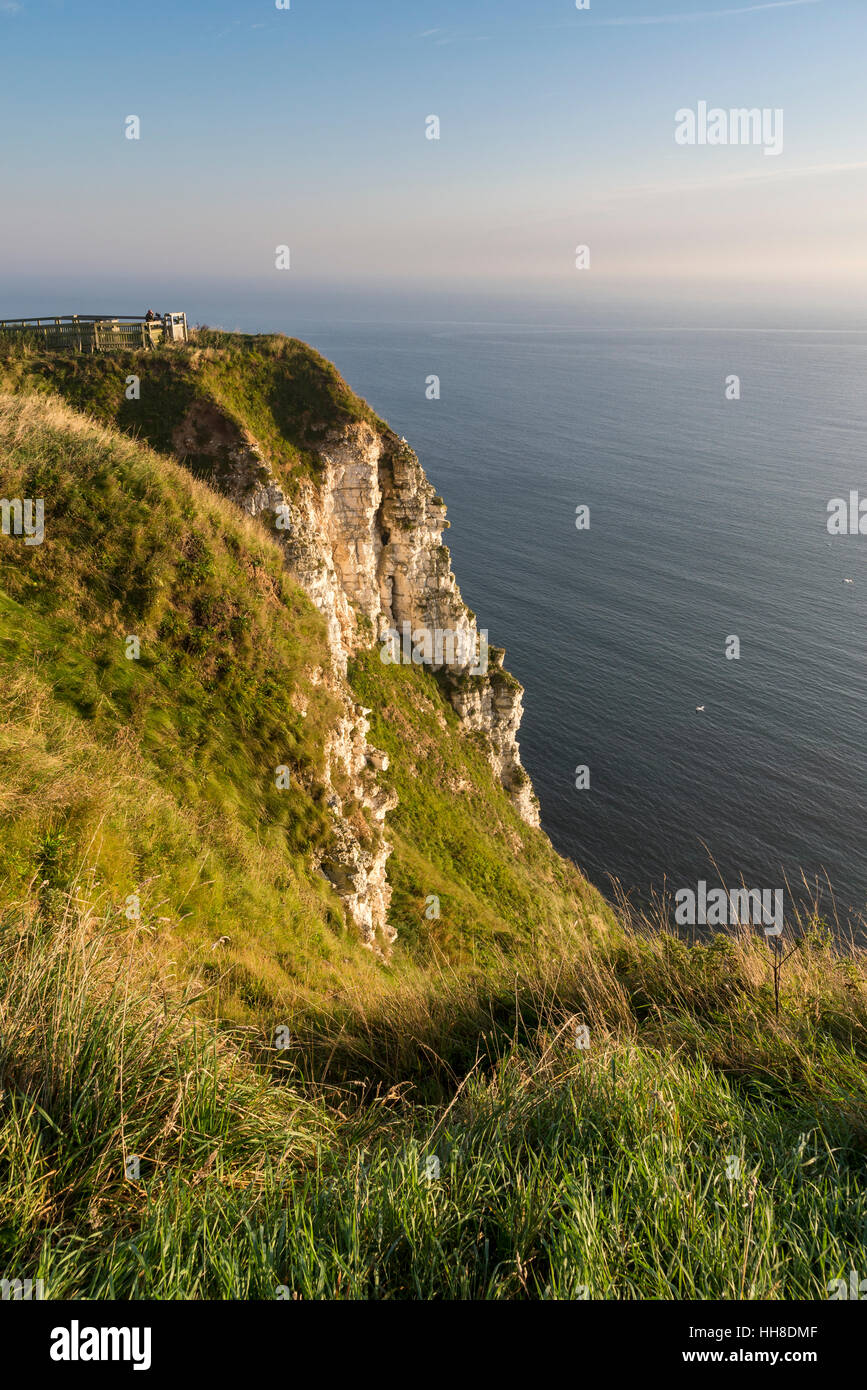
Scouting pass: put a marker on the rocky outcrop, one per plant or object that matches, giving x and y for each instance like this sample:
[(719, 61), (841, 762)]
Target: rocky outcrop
[(363, 537), (493, 704), (354, 861)]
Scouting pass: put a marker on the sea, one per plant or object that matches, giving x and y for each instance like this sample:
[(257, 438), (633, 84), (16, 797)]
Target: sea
[(706, 577), (703, 574)]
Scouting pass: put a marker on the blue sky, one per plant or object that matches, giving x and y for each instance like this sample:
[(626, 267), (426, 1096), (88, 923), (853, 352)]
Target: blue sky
[(306, 127)]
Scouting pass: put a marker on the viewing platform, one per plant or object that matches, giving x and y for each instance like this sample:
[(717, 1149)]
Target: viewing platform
[(100, 332)]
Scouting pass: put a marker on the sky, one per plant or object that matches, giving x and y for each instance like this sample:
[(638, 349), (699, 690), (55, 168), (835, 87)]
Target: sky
[(307, 127)]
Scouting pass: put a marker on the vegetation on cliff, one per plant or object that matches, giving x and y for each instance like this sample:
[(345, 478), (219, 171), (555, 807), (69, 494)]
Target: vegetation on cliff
[(209, 1089), (153, 775), (278, 389)]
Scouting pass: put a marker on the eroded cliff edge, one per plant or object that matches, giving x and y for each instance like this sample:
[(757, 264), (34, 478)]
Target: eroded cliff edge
[(362, 534), (270, 424)]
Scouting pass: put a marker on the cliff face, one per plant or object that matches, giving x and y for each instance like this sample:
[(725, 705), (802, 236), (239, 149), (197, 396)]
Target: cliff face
[(363, 537), (271, 425)]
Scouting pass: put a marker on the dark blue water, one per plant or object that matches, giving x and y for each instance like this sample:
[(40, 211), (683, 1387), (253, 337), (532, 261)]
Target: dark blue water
[(708, 519)]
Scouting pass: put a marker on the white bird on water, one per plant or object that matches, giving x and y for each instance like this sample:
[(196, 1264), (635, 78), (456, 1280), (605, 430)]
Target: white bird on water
[(699, 708), (848, 581)]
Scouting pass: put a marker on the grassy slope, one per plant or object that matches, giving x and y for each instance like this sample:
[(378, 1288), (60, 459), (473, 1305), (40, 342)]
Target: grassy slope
[(456, 836), (277, 388), (563, 1173), (156, 776), (562, 1169)]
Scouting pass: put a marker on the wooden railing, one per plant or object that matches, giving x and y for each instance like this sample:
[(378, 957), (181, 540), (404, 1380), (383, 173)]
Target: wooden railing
[(90, 332)]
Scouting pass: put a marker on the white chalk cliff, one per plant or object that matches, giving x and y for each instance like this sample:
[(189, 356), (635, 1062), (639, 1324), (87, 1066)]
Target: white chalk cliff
[(362, 535)]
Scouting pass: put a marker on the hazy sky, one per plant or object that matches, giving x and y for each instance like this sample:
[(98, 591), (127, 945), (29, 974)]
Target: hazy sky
[(307, 127)]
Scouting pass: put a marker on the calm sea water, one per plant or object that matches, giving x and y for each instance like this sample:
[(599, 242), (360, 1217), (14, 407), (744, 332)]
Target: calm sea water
[(707, 520)]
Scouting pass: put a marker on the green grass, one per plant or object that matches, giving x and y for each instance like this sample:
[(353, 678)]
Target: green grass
[(564, 1171), (156, 776), (276, 389), (456, 836), (635, 1168)]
